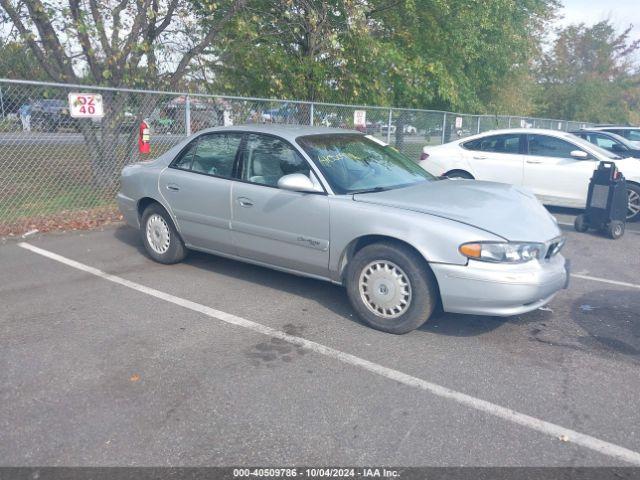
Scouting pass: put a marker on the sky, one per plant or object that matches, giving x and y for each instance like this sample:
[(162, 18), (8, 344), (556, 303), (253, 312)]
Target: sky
[(620, 12)]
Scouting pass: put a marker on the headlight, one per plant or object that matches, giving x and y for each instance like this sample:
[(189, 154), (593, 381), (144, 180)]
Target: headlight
[(514, 252)]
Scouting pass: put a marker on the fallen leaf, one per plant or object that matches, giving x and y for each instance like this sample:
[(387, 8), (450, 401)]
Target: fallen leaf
[(135, 377), (563, 438)]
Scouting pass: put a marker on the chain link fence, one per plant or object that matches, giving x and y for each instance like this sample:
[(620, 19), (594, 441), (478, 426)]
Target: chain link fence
[(56, 169)]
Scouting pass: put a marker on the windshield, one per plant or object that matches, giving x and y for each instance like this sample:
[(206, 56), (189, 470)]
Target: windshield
[(353, 163), (590, 147)]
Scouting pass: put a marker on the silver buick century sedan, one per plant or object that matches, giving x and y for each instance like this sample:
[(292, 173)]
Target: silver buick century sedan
[(341, 206)]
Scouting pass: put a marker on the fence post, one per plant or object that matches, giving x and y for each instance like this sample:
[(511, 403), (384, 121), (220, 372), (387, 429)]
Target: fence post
[(509, 124), (444, 126), (187, 116), (311, 115), (389, 126), (478, 123), (2, 102)]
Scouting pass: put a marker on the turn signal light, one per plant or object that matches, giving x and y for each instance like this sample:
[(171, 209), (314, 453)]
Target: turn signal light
[(473, 250)]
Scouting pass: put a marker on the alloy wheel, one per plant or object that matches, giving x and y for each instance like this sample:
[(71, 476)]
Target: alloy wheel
[(633, 205)]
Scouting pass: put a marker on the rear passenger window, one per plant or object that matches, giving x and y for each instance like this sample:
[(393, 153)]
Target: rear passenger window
[(184, 161), (215, 154), (509, 143)]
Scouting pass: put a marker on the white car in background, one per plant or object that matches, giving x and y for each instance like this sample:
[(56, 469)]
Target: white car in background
[(555, 165)]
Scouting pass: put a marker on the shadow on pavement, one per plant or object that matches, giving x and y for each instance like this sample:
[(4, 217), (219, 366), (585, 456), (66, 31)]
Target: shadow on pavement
[(330, 296)]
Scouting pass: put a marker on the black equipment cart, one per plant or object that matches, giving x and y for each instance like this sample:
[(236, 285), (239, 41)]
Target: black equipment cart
[(606, 202)]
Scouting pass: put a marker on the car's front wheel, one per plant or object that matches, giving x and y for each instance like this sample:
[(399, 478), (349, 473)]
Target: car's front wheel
[(160, 237), (391, 287)]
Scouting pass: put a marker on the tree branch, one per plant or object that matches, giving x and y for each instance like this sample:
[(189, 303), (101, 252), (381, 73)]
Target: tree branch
[(83, 38), (134, 36), (49, 38), (52, 70), (99, 22), (199, 48), (115, 33), (166, 21)]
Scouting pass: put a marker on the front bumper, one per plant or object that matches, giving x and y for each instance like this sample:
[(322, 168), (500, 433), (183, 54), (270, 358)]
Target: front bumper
[(483, 288)]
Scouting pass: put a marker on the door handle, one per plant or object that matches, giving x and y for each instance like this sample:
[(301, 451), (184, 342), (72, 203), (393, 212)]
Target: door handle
[(479, 157), (173, 187), (534, 161), (245, 202)]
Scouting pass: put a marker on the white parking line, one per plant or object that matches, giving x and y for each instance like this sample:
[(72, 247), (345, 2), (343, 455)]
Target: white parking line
[(605, 280), (551, 429)]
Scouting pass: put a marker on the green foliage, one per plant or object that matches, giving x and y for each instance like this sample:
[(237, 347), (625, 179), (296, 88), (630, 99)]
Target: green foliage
[(412, 53), (16, 61), (589, 75), (475, 56)]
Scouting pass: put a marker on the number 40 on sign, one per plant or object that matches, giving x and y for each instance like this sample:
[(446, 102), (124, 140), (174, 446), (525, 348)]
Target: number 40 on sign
[(85, 105)]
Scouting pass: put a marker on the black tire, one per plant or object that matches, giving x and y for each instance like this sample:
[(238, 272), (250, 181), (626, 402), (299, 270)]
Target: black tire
[(615, 229), (172, 252), (422, 298), (633, 191), (580, 223), (459, 174)]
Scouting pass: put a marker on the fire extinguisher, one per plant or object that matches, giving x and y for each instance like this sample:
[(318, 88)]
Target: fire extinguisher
[(144, 137)]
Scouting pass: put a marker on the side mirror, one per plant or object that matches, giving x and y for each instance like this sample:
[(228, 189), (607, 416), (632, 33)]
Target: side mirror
[(298, 182), (579, 154)]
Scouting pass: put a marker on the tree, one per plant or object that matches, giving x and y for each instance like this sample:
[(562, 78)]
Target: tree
[(289, 49), (409, 53), (148, 43), (455, 55), (590, 75), (17, 63)]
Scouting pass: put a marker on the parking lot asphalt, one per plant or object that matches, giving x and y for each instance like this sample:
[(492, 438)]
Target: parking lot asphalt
[(99, 373)]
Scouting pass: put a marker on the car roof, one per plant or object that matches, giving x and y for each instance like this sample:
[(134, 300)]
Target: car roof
[(289, 132), (594, 130), (615, 127), (600, 132), (541, 131)]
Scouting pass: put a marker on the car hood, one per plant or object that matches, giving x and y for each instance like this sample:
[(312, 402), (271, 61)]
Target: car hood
[(630, 168), (510, 212)]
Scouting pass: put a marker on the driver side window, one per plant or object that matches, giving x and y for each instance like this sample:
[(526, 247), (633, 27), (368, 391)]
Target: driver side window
[(606, 143), (546, 146), (266, 159)]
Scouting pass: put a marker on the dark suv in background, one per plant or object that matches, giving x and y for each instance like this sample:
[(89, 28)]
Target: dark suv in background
[(50, 115), (630, 133)]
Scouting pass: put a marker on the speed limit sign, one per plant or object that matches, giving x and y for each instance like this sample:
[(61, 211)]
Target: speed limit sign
[(85, 105)]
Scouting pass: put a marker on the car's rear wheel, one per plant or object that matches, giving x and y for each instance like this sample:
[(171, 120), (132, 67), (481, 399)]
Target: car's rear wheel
[(633, 205), (391, 287), (160, 237)]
